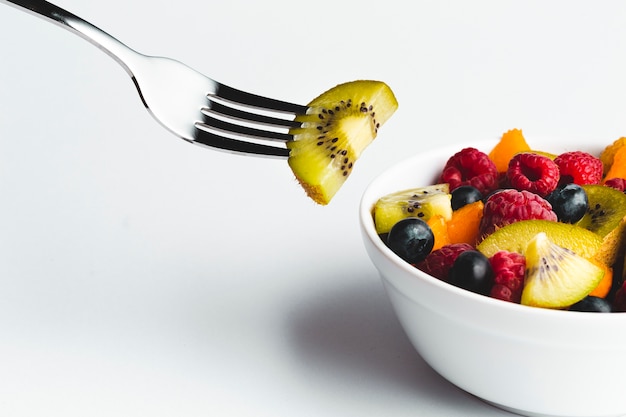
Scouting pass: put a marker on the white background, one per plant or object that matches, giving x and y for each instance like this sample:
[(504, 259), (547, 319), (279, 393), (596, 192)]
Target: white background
[(143, 276)]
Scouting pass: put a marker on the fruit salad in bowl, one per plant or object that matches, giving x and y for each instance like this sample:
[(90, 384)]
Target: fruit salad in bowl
[(504, 263)]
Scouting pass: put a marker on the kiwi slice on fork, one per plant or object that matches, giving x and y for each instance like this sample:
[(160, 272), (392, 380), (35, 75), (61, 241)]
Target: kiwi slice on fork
[(340, 124)]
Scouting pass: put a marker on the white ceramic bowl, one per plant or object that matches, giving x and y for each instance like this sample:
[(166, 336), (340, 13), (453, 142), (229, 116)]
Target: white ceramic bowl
[(530, 361)]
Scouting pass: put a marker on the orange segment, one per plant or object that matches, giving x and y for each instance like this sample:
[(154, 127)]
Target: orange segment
[(464, 225), (608, 154), (603, 288), (439, 227), (512, 142), (618, 166)]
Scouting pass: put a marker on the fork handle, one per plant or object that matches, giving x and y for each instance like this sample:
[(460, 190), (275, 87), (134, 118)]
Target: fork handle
[(67, 20)]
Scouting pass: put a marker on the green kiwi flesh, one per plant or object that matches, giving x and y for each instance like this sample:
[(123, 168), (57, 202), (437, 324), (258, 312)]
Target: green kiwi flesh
[(607, 209), (514, 237), (423, 202), (606, 216), (339, 125), (556, 277)]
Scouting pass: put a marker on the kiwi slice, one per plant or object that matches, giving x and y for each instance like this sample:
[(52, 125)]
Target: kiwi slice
[(556, 277), (423, 202), (607, 209), (339, 125), (514, 237), (606, 216)]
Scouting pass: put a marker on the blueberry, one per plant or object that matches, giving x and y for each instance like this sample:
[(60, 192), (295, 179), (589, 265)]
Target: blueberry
[(569, 202), (472, 271), (411, 239), (592, 304), (463, 195)]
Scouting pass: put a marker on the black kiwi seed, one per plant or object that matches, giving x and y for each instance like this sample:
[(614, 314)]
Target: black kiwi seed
[(328, 116)]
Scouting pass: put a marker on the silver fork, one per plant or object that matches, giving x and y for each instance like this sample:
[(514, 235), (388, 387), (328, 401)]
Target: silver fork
[(189, 104)]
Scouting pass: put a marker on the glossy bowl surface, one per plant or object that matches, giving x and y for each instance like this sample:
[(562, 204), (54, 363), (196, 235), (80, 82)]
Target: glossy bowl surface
[(530, 361)]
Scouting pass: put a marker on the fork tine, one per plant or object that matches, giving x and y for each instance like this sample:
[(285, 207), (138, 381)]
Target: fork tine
[(214, 129), (252, 100), (222, 118), (216, 141), (219, 109), (212, 123)]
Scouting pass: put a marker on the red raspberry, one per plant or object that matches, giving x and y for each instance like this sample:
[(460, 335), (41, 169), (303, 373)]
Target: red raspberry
[(439, 261), (471, 167), (617, 183), (535, 173), (579, 167), (509, 206), (502, 292), (508, 269)]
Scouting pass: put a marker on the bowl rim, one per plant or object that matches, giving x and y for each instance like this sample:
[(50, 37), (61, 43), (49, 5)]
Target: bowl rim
[(374, 190)]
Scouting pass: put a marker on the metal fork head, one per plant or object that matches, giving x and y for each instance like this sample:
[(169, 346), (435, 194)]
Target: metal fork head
[(206, 112), (242, 122)]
